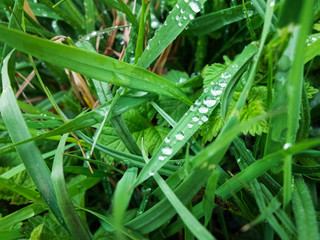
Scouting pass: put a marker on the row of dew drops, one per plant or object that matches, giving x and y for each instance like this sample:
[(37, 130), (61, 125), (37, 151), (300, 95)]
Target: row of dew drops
[(200, 113)]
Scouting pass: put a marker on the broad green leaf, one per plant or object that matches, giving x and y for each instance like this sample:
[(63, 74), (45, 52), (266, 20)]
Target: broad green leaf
[(91, 64)]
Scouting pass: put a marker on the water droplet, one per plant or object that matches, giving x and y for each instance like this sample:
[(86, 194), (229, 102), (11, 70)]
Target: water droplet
[(177, 6), (195, 119), (148, 47), (197, 102), (216, 92), (225, 75), (190, 125), (165, 23), (209, 102), (182, 80), (287, 145), (166, 140), (185, 18), (44, 14), (161, 158), (203, 109), (179, 24), (193, 108), (182, 11), (204, 119), (177, 18), (200, 123), (272, 3), (166, 150), (186, 1), (151, 173), (205, 90), (223, 84), (179, 136), (194, 6), (191, 16)]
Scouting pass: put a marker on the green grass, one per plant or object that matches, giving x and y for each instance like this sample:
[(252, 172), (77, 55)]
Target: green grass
[(161, 119)]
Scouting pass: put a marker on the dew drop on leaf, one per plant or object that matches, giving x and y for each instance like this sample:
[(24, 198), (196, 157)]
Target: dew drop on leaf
[(166, 150)]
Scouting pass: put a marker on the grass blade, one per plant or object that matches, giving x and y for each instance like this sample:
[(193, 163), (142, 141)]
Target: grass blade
[(72, 219), (304, 211), (92, 65), (29, 152)]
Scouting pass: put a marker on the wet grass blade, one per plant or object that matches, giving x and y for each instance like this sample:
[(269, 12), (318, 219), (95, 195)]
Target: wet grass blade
[(72, 219), (29, 152), (122, 196), (189, 220), (196, 115), (177, 20), (92, 65), (213, 21)]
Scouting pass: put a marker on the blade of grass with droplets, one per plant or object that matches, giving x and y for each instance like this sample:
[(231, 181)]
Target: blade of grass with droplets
[(213, 21), (29, 152), (180, 16), (189, 220), (304, 211), (162, 212), (122, 196), (196, 115), (92, 65), (72, 219)]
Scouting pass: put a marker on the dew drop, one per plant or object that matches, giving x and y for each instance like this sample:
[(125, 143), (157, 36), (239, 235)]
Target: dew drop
[(272, 3), (197, 102), (225, 75), (177, 18), (205, 90), (287, 145), (209, 102), (193, 108), (182, 80), (186, 1), (190, 125), (161, 158), (216, 92), (179, 24), (204, 119), (203, 109), (151, 173), (182, 11), (223, 84), (179, 136), (166, 140), (191, 16), (177, 6), (195, 119), (194, 6), (166, 150), (148, 47), (200, 123), (185, 18)]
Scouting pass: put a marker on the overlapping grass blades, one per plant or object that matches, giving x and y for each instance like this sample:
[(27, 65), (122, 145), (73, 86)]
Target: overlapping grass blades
[(29, 152), (92, 65), (196, 115)]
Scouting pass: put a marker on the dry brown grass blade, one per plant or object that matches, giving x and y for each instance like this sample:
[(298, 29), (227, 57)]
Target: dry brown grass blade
[(27, 81), (28, 10), (158, 67)]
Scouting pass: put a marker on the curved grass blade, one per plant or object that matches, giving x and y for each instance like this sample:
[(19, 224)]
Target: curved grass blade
[(162, 212), (304, 211), (72, 219), (92, 65), (216, 20), (108, 219), (189, 220), (177, 20), (196, 115), (121, 197), (29, 152)]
